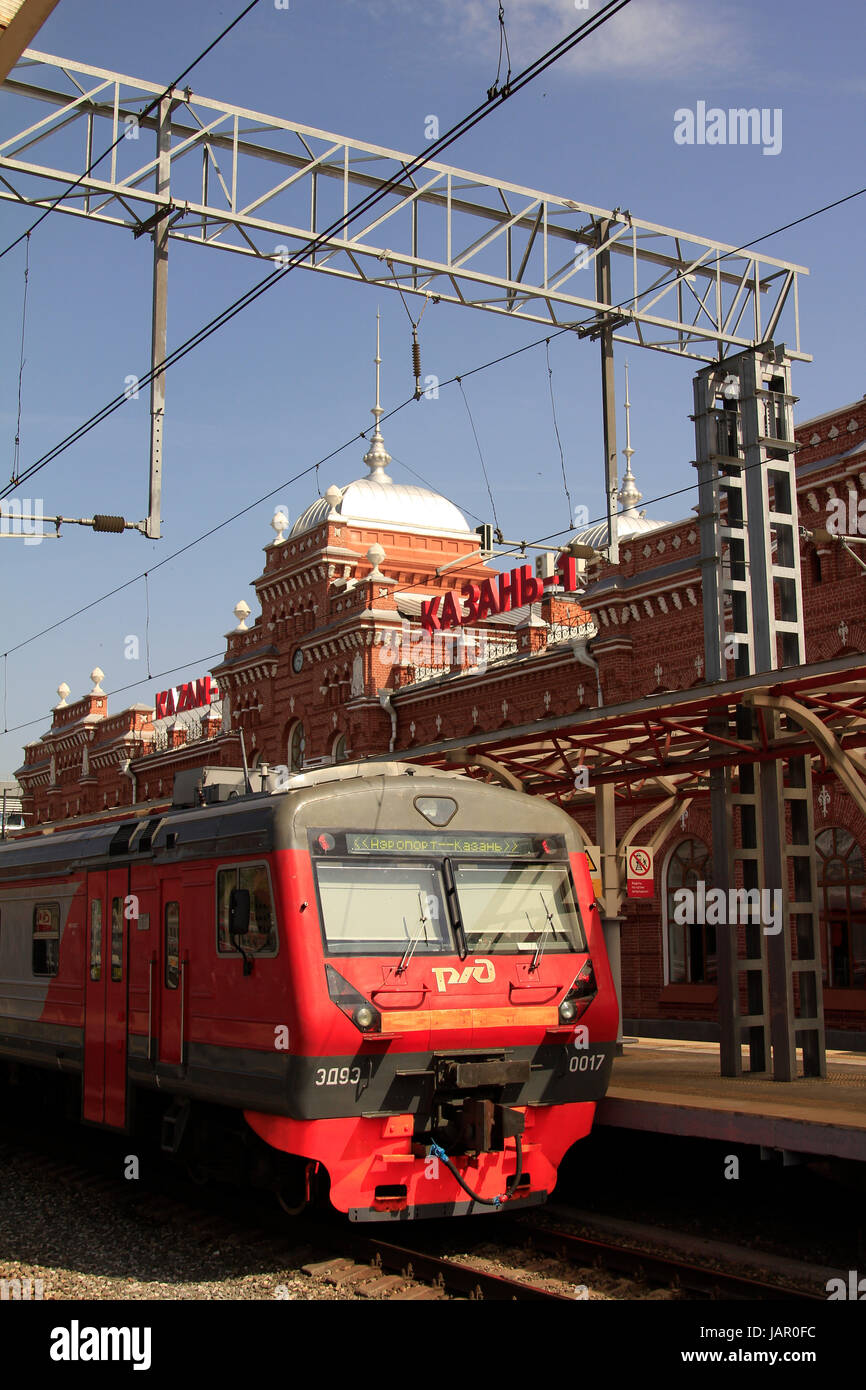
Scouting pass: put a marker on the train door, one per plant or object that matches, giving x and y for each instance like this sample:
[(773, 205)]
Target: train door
[(172, 977), (116, 996), (104, 1089)]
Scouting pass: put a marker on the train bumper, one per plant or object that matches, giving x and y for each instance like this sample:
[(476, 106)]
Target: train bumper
[(378, 1172)]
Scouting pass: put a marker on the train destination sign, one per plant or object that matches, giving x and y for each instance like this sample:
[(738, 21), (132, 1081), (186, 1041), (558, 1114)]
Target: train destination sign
[(513, 590), (493, 846)]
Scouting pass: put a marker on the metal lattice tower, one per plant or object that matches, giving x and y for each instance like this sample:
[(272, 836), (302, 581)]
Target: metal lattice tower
[(770, 989)]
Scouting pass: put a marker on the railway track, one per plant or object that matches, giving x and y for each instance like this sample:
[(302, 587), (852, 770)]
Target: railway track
[(417, 1274), (670, 1270), (515, 1260), (373, 1267)]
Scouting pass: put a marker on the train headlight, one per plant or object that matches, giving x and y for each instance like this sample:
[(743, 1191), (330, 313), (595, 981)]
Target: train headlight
[(438, 810), (581, 994), (364, 1015)]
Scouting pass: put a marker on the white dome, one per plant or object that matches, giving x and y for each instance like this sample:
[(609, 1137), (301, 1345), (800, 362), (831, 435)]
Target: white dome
[(369, 501), (628, 526)]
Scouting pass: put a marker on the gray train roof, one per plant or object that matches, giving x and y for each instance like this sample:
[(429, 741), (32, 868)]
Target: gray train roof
[(264, 821)]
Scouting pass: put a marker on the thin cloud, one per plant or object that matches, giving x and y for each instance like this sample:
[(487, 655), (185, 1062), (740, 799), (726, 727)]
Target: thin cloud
[(649, 39)]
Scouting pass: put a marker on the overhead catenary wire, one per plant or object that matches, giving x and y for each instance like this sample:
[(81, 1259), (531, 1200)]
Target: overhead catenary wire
[(122, 689), (427, 483), (518, 549), (480, 454), (492, 362), (471, 371), (556, 430), (567, 328), (152, 106), (315, 243), (17, 444), (416, 324), (147, 623)]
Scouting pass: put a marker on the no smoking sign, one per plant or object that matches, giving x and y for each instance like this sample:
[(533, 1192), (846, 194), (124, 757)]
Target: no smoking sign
[(640, 872)]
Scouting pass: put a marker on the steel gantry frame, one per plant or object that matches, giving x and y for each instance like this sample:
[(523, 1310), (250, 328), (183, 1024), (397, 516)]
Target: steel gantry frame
[(225, 177)]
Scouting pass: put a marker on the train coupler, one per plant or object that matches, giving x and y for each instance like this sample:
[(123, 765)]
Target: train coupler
[(485, 1125)]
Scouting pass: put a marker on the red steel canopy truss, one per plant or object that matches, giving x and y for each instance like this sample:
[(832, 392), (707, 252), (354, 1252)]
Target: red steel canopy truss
[(668, 741)]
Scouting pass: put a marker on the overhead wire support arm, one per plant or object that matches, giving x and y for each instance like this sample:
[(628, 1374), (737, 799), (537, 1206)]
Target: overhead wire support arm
[(101, 521), (472, 240)]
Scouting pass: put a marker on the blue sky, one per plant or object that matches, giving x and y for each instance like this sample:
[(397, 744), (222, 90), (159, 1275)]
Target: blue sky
[(291, 378)]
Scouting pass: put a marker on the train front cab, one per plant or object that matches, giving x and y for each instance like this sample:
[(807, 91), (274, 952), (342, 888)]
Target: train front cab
[(468, 1021)]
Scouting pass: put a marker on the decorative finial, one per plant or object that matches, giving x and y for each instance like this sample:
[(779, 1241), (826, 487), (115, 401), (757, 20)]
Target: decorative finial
[(334, 497), (96, 676), (241, 612), (62, 691), (280, 523), (377, 457), (628, 495), (375, 556)]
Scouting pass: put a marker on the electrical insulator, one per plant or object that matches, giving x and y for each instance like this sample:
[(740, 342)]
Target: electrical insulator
[(416, 361), (109, 523)]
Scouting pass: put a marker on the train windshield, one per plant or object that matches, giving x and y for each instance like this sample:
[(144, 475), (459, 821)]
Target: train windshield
[(378, 909), (514, 908)]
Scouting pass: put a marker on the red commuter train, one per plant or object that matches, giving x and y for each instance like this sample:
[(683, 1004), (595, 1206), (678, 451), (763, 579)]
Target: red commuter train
[(382, 981)]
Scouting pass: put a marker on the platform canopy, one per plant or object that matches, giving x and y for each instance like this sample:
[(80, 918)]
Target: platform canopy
[(669, 742), (20, 21)]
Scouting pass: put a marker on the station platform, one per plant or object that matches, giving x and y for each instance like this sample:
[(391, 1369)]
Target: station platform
[(675, 1088)]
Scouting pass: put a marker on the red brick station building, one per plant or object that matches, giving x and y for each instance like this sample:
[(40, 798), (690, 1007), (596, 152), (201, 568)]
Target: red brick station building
[(337, 665)]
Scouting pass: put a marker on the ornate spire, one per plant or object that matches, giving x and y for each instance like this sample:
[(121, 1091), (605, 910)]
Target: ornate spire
[(628, 495), (377, 457)]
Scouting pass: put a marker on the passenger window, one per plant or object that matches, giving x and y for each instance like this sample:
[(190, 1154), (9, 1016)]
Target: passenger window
[(95, 938), (117, 939), (172, 945), (46, 938), (261, 939)]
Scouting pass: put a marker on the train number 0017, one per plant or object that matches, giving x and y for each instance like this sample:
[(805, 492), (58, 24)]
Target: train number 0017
[(338, 1076), (584, 1062)]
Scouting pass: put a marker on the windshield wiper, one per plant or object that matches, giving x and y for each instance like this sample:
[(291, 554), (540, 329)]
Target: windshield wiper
[(410, 946), (539, 950)]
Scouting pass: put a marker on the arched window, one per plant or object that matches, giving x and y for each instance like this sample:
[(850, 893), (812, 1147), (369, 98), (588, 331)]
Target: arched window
[(339, 749), (691, 945), (841, 888), (297, 744)]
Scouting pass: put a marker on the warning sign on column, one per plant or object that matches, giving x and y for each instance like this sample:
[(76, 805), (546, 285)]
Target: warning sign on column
[(593, 855), (640, 872)]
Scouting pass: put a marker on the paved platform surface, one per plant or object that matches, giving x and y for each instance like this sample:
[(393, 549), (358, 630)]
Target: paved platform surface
[(675, 1088)]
